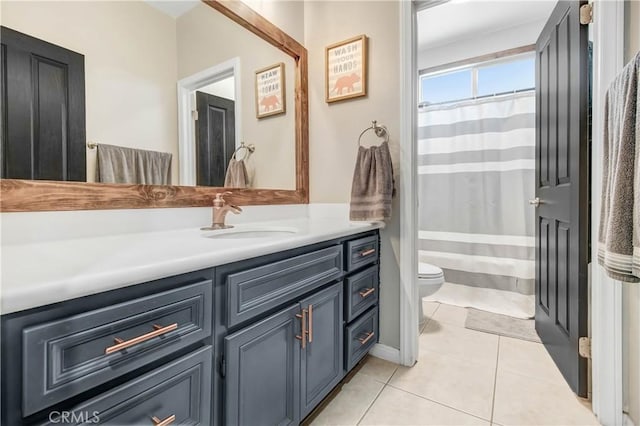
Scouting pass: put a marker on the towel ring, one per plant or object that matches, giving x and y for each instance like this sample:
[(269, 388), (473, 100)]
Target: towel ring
[(380, 131), (250, 148)]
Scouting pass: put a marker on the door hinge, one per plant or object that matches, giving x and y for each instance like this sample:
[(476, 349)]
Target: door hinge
[(194, 114), (586, 14), (584, 347), (223, 368)]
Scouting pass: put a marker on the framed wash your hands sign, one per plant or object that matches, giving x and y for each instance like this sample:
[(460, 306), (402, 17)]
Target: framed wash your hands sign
[(270, 91), (346, 69)]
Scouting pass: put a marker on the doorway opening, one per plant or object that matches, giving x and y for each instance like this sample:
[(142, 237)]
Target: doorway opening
[(209, 123), (503, 170)]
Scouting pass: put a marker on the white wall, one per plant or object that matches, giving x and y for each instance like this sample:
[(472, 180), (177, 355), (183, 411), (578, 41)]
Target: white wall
[(224, 88), (510, 38), (631, 292), (207, 38), (334, 128), (133, 104), (288, 15)]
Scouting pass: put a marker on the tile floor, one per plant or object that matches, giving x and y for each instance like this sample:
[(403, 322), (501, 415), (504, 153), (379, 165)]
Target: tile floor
[(463, 377)]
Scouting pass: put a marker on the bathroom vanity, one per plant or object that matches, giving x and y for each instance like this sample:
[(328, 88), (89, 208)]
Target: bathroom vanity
[(175, 326), (259, 340)]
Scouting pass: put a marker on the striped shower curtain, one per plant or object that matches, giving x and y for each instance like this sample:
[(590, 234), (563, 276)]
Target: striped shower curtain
[(476, 168)]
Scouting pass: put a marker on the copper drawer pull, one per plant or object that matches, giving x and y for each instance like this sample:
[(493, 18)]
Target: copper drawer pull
[(165, 422), (367, 252), (303, 321), (364, 340), (310, 333), (367, 292), (123, 344)]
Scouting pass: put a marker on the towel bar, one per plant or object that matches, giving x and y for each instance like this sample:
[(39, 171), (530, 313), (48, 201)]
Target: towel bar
[(250, 149), (380, 131)]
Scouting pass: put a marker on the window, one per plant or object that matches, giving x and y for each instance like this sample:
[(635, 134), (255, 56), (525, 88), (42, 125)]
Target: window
[(506, 75), (447, 87)]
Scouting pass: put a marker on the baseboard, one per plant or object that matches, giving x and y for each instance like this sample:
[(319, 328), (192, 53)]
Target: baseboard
[(386, 352), (627, 420)]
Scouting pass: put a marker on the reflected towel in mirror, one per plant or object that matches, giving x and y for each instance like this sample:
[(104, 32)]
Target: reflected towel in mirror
[(373, 184), (236, 176), (117, 164)]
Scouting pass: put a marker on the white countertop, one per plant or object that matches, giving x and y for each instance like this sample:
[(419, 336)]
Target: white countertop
[(39, 273)]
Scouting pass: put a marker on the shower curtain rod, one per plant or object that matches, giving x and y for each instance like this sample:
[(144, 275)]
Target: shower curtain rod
[(477, 98)]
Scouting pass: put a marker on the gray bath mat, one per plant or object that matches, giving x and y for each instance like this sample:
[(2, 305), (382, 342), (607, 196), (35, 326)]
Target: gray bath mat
[(503, 325)]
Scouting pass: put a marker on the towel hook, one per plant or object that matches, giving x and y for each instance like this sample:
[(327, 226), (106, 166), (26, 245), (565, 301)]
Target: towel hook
[(250, 149), (380, 131)]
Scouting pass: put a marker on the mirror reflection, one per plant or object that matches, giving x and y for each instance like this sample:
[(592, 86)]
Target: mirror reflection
[(151, 92)]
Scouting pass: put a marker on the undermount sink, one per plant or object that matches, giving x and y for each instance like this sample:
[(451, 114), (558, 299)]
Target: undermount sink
[(234, 234)]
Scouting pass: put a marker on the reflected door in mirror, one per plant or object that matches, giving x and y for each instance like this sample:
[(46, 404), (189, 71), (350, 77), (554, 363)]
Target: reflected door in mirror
[(43, 110), (215, 138)]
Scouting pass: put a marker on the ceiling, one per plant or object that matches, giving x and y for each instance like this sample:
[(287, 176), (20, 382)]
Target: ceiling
[(458, 20), (173, 8)]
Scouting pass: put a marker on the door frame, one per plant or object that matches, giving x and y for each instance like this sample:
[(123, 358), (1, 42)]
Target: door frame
[(186, 104), (605, 309), (409, 350), (606, 293)]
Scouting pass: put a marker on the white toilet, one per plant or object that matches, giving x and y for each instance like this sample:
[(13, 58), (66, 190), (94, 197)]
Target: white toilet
[(430, 279)]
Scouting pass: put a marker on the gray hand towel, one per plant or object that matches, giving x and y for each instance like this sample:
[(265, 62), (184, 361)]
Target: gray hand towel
[(373, 185), (236, 176), (153, 168), (117, 164), (619, 229)]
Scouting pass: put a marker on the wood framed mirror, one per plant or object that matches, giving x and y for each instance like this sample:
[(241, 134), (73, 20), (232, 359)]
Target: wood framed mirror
[(21, 195)]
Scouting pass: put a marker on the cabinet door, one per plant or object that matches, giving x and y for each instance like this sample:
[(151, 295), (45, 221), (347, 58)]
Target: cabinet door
[(322, 362), (262, 383)]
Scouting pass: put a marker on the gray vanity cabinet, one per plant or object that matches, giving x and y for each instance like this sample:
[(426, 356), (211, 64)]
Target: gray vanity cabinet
[(321, 366), (176, 393), (120, 357), (261, 341), (262, 372), (280, 368)]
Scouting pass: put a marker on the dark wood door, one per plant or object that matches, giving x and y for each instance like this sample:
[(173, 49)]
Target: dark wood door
[(562, 185), (216, 138), (262, 383), (322, 359), (43, 110)]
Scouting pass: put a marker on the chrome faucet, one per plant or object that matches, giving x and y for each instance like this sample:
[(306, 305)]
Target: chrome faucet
[(220, 210)]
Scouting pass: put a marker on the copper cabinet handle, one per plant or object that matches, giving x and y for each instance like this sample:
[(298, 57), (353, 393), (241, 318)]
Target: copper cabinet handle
[(303, 321), (310, 332), (367, 252), (165, 422), (123, 344), (364, 340), (365, 293)]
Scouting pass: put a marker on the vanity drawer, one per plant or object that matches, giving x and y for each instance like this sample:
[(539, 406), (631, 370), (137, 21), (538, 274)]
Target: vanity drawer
[(360, 337), (361, 252), (68, 356), (362, 292), (254, 291), (180, 390)]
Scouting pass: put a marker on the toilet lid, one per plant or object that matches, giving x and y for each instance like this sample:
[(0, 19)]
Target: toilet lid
[(428, 270)]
